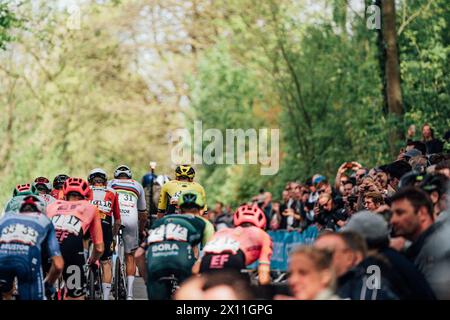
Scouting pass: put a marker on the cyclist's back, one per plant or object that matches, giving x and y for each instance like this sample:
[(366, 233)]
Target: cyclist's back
[(171, 191), (255, 243), (236, 248), (72, 220), (172, 243), (22, 237), (131, 201)]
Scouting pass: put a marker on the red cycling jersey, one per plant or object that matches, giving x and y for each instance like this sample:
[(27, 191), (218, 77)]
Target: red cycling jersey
[(254, 242), (107, 202), (75, 219)]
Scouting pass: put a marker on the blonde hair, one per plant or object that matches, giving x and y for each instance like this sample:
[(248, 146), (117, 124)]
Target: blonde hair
[(322, 260)]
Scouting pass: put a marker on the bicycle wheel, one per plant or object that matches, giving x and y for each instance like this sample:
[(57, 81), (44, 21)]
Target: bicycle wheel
[(91, 285), (119, 289)]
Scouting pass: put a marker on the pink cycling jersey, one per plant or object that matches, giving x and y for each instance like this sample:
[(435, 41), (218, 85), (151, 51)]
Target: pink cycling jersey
[(75, 218), (254, 242)]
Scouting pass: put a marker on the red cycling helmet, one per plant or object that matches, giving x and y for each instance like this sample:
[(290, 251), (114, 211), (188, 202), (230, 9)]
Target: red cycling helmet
[(252, 214), (77, 185)]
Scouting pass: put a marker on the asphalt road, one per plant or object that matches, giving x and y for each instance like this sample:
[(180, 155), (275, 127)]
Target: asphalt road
[(139, 290)]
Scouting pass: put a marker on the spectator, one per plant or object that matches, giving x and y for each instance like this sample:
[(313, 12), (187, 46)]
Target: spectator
[(406, 280), (341, 177), (436, 187), (395, 171), (327, 215), (443, 168), (275, 220), (373, 201), (222, 218), (223, 285), (311, 275), (418, 145), (350, 262), (433, 145), (412, 218)]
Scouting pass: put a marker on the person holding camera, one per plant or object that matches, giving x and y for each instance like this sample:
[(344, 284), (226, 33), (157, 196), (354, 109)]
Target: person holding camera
[(328, 215)]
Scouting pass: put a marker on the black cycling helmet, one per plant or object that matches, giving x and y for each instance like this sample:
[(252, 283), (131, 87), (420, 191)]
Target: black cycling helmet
[(59, 181), (185, 171), (434, 182), (411, 178)]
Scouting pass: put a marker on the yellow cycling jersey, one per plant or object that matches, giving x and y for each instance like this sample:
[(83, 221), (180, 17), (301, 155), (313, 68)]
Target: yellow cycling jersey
[(170, 192)]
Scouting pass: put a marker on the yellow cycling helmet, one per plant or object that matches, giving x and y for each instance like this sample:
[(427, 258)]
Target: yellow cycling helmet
[(185, 171)]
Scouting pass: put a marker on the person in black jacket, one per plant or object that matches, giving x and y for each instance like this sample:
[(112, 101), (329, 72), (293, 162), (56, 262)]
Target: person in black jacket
[(407, 281), (433, 145), (357, 278)]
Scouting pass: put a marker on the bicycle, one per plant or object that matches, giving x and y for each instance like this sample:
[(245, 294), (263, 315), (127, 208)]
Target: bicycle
[(94, 281), (171, 282), (119, 287)]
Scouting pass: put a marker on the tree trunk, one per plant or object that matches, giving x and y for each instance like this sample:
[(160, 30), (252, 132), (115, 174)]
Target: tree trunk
[(392, 74)]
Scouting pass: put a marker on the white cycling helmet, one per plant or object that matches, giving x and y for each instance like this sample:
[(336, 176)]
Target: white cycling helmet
[(97, 172), (162, 179), (123, 169)]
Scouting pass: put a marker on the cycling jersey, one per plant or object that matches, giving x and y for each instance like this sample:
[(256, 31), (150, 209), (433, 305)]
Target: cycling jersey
[(22, 237), (171, 241), (131, 199), (107, 203), (170, 192), (72, 220), (57, 194), (48, 199), (254, 242)]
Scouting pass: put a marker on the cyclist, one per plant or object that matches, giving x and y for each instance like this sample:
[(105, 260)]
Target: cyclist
[(20, 191), (73, 218), (133, 212), (44, 187), (23, 235), (236, 248), (171, 247), (107, 203), (58, 183), (171, 190)]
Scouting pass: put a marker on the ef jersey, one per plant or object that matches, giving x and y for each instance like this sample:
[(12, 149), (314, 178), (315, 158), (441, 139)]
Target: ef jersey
[(72, 219), (170, 192), (182, 228), (254, 242)]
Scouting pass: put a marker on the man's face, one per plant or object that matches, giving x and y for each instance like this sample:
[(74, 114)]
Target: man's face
[(426, 132), (305, 281), (360, 173), (382, 179), (218, 207), (285, 195), (348, 189), (343, 257), (405, 220), (326, 203), (445, 172), (369, 204)]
